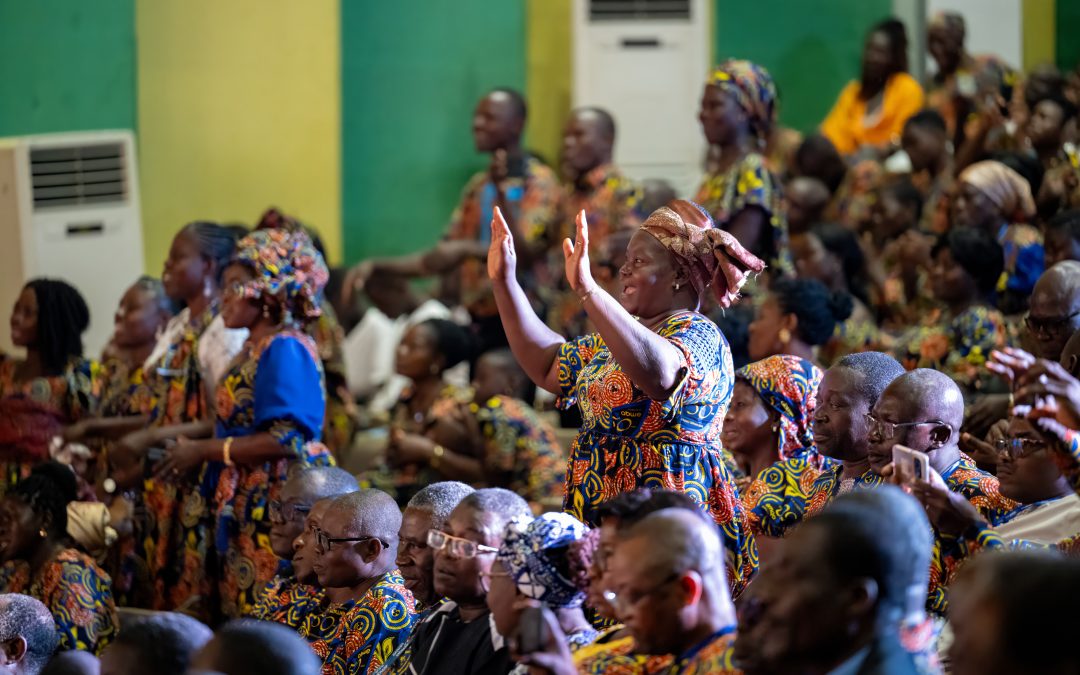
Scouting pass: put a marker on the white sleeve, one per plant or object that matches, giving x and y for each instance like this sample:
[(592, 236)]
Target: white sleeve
[(218, 346)]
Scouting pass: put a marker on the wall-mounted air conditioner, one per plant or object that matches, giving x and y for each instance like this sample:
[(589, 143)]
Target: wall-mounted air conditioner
[(645, 61), (69, 208)]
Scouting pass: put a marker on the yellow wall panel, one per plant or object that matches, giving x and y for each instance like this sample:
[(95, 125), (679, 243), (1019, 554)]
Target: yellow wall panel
[(549, 63), (1039, 32), (238, 109)]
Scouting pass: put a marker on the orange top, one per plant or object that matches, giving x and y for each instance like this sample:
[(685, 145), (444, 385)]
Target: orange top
[(848, 127)]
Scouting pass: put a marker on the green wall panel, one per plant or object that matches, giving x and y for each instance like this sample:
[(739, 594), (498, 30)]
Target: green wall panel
[(1068, 33), (411, 75), (811, 47), (66, 65)]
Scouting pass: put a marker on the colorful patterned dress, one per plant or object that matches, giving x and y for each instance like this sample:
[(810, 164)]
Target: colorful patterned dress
[(76, 591), (522, 447), (340, 425), (714, 656), (275, 386), (608, 655), (285, 600), (958, 347), (749, 183), (628, 441), (357, 637), (33, 413)]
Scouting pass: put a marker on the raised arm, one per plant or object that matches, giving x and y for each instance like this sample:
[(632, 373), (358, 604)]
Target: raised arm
[(535, 346), (652, 363)]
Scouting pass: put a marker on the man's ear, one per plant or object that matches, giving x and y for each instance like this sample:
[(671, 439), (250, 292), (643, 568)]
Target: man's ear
[(13, 651), (940, 436)]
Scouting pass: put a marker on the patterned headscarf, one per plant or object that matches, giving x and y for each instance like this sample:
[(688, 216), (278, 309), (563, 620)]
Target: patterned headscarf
[(754, 90), (712, 256), (524, 553), (1004, 187), (288, 268), (788, 385)]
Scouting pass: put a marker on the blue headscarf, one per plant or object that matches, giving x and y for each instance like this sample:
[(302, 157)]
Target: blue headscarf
[(525, 553)]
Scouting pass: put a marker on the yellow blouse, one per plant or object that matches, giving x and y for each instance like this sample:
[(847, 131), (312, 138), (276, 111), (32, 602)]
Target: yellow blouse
[(848, 126)]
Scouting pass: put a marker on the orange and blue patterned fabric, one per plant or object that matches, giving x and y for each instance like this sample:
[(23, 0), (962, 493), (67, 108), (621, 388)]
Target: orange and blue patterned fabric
[(522, 447), (787, 384), (714, 656), (781, 503), (613, 653), (753, 89), (285, 600), (76, 591), (958, 347), (358, 637), (287, 268), (628, 440)]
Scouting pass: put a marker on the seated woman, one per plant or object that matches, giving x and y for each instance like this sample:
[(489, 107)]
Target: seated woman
[(533, 563), (871, 112), (831, 254), (958, 337), (37, 560), (738, 110), (797, 317), (53, 386), (270, 408)]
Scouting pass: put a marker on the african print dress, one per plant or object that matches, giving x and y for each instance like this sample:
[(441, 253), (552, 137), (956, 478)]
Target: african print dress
[(611, 655), (958, 347), (76, 591), (285, 600), (33, 413), (788, 492), (274, 386), (628, 440), (355, 638), (522, 448), (749, 183)]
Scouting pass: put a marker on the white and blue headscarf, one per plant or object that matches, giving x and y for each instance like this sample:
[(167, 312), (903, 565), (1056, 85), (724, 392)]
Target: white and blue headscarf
[(529, 551)]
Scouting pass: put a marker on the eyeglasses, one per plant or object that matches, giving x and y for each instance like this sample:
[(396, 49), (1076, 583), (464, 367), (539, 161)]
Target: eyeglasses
[(287, 513), (1019, 448), (323, 541), (236, 289), (622, 602), (456, 546), (888, 429), (1049, 326), (486, 577)]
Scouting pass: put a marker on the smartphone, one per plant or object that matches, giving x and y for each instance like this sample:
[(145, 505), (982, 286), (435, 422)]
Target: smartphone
[(913, 463), (532, 632), (153, 456)]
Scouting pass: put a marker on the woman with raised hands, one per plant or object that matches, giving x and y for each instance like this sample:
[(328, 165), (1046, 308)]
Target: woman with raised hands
[(654, 382)]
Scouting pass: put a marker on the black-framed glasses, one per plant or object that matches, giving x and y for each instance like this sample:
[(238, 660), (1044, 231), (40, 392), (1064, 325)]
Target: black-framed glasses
[(456, 546), (1054, 325), (888, 429), (287, 513), (623, 601), (1019, 448), (324, 541)]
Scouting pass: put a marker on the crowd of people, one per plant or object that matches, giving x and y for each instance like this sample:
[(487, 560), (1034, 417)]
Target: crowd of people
[(622, 433)]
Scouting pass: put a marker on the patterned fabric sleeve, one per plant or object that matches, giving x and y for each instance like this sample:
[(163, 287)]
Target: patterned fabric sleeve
[(289, 398), (370, 632), (706, 359), (540, 203), (776, 500), (573, 356), (755, 186), (85, 382), (79, 595), (523, 448)]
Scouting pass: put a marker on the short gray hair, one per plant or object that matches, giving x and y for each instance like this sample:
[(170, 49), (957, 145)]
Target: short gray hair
[(25, 617), (440, 498)]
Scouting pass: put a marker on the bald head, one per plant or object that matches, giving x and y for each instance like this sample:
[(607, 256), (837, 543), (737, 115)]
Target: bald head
[(1054, 300), (927, 394), (369, 513), (319, 482), (806, 199), (679, 540), (73, 663), (588, 140)]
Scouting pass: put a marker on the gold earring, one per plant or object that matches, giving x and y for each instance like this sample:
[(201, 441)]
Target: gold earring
[(42, 533), (785, 336)]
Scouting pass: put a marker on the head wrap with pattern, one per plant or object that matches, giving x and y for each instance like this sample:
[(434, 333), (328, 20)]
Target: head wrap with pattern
[(287, 268), (712, 256), (753, 89), (1004, 187), (527, 550), (787, 384)]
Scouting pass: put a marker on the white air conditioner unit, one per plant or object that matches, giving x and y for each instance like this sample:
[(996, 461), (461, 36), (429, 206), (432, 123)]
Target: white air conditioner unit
[(645, 62), (69, 209)]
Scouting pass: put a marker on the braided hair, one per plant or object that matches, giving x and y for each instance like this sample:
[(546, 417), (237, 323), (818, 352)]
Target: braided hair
[(452, 341), (818, 309), (62, 319), (215, 242), (48, 490)]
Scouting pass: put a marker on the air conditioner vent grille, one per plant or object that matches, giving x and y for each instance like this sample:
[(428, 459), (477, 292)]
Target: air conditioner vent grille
[(634, 10), (82, 174)]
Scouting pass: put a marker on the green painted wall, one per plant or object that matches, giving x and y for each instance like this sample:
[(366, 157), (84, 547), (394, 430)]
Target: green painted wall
[(66, 65), (408, 91), (1068, 33), (811, 47)]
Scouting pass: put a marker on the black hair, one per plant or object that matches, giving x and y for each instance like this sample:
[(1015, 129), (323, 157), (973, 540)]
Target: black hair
[(164, 643), (895, 31), (877, 371), (905, 192), (1041, 80), (1028, 166), (977, 252), (452, 341), (72, 663), (817, 157), (503, 503), (521, 109), (818, 309), (880, 534), (844, 244), (928, 118), (1066, 221), (1055, 96), (506, 361), (62, 319), (631, 507), (238, 230), (48, 490), (215, 243), (26, 617), (607, 122), (248, 647)]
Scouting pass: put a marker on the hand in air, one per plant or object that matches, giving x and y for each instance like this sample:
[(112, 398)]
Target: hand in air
[(1010, 363), (502, 256), (1047, 390), (578, 271)]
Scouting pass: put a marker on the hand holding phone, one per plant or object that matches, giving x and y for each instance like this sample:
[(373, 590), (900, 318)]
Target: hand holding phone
[(532, 631), (910, 465)]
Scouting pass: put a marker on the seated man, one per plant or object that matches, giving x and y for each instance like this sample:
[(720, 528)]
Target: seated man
[(1009, 616), (302, 489), (73, 663), (28, 635), (835, 598), (161, 644), (427, 510), (367, 610), (458, 636), (249, 647), (805, 201)]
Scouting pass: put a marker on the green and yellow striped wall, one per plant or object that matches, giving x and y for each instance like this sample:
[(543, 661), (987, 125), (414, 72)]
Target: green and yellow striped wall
[(355, 114)]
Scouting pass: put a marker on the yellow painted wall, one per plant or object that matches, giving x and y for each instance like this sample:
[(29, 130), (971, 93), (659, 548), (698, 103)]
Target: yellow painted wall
[(239, 108), (548, 63), (1039, 32)]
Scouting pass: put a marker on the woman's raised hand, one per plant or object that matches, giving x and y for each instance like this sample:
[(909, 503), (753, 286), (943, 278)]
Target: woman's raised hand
[(502, 257), (576, 252)]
